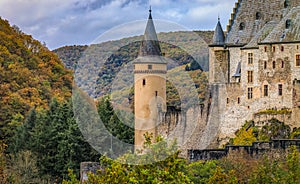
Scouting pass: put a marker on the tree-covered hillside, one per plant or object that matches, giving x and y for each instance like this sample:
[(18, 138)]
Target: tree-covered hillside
[(99, 64), (30, 75)]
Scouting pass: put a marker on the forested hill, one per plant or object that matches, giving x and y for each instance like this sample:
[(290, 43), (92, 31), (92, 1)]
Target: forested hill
[(30, 75), (183, 47), (71, 54)]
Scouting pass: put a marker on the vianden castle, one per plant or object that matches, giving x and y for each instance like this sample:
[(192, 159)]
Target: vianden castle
[(254, 74)]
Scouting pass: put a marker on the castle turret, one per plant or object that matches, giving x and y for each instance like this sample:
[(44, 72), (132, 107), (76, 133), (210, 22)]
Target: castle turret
[(149, 85), (218, 57), (219, 38)]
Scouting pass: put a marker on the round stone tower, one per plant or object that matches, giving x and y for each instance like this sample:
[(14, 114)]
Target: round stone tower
[(150, 70)]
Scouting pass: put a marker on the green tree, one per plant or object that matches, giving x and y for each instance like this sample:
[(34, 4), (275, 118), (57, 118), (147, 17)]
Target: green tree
[(201, 171), (145, 168)]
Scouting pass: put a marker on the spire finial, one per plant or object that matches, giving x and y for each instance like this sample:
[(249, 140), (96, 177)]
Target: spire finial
[(219, 17), (150, 9)]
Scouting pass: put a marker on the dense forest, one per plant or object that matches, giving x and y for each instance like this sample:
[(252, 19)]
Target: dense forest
[(41, 141)]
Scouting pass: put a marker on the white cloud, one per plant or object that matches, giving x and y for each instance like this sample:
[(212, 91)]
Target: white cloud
[(68, 22)]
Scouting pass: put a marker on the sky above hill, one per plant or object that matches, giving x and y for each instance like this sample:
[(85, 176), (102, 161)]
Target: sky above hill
[(74, 22)]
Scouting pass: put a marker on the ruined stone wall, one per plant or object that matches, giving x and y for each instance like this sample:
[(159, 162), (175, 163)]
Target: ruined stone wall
[(263, 119), (256, 150)]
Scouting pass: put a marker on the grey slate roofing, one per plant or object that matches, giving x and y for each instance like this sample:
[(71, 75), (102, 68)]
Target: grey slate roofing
[(282, 34), (150, 44), (261, 35), (219, 38)]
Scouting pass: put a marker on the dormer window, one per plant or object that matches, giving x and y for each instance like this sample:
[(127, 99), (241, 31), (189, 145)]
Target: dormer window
[(286, 4), (242, 26), (257, 15), (288, 23)]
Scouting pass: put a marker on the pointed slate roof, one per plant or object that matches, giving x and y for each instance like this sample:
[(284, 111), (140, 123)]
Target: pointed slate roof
[(219, 38), (150, 44)]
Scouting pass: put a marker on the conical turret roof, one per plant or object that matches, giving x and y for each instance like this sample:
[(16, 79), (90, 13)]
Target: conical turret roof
[(150, 44), (219, 38)]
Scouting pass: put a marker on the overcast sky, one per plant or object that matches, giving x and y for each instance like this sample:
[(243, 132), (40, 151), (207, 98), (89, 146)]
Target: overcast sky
[(74, 22)]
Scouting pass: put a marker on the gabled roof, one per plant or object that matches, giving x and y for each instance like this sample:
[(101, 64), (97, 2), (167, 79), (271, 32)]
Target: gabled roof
[(150, 44)]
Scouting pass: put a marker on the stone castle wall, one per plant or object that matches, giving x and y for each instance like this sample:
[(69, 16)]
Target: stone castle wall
[(256, 150)]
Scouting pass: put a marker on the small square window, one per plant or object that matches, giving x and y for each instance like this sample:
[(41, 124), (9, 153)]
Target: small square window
[(149, 67)]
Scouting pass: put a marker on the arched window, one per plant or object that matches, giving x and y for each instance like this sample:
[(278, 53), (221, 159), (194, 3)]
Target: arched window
[(242, 26), (257, 15), (282, 64), (274, 64)]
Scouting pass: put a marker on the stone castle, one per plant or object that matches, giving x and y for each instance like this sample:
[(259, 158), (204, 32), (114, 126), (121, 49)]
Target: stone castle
[(254, 67)]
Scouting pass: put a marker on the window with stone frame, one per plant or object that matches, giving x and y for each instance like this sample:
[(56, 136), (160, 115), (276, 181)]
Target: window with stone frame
[(250, 58), (250, 76), (280, 89), (298, 60), (250, 93), (149, 67), (266, 90)]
